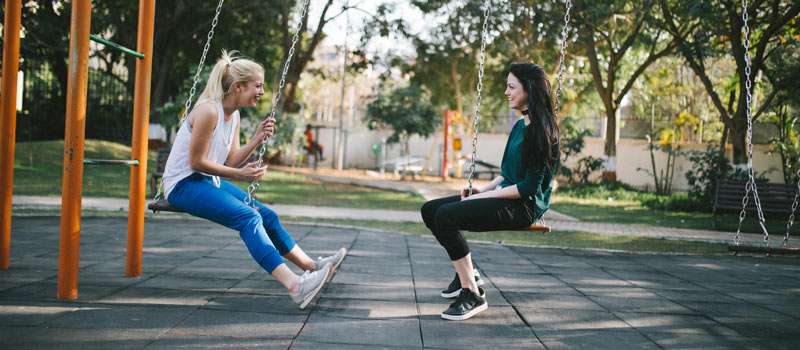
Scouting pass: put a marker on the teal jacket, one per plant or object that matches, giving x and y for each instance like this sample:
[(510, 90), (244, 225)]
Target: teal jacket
[(534, 186)]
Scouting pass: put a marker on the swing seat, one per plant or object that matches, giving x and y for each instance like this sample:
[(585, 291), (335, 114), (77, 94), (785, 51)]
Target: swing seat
[(538, 227), (162, 205), (736, 249)]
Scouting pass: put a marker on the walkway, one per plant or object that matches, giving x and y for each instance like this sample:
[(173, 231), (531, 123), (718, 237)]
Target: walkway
[(557, 221), (200, 289)]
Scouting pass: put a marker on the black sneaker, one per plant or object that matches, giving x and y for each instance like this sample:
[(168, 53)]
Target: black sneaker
[(455, 286), (467, 304)]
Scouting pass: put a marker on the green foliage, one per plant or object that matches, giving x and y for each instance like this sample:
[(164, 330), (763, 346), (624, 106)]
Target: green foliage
[(572, 143), (405, 110), (707, 168), (709, 30), (787, 144), (447, 54), (180, 33), (785, 79), (586, 166)]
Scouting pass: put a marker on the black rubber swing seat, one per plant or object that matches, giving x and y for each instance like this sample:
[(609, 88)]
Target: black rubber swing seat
[(162, 205), (735, 249)]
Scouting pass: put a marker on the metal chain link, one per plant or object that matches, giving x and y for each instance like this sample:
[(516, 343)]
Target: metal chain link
[(477, 114), (794, 210), (751, 184), (275, 102), (476, 119), (564, 33), (196, 79)]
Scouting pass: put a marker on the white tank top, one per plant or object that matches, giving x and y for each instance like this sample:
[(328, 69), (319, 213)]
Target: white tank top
[(178, 167)]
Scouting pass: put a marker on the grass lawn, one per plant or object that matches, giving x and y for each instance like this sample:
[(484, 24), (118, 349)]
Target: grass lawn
[(38, 167), (625, 207), (285, 188), (38, 170)]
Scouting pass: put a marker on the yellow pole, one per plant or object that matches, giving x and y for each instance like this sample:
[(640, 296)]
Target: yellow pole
[(141, 122), (71, 185), (8, 123)]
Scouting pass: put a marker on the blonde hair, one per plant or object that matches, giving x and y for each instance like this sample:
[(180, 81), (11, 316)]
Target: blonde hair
[(230, 68)]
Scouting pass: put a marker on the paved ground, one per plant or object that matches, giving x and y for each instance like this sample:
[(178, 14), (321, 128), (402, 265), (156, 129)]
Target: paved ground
[(200, 289)]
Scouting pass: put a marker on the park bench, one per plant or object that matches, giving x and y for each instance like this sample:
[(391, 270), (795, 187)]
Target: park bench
[(158, 172), (403, 166), (776, 199), (485, 168)]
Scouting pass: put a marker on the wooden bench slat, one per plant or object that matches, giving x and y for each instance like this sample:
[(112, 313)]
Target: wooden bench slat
[(776, 199)]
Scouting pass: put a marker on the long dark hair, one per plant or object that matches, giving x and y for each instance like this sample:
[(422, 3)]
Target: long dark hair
[(540, 145)]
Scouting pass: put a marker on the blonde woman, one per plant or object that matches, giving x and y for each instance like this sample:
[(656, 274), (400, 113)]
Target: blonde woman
[(207, 149)]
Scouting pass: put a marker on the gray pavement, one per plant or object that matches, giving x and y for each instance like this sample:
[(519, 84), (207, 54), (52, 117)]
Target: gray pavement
[(200, 289)]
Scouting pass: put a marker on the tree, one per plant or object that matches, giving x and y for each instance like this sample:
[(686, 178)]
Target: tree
[(785, 79), (406, 111), (621, 42), (713, 29), (446, 60), (180, 32)]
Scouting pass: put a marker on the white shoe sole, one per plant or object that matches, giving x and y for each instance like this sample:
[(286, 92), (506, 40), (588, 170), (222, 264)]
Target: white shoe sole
[(339, 262), (466, 316), (336, 264), (315, 292), (455, 293)]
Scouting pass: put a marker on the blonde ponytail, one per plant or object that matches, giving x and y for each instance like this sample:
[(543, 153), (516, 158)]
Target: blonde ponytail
[(229, 69)]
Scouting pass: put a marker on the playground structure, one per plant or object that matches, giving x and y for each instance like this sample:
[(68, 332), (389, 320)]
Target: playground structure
[(77, 85), (74, 137)]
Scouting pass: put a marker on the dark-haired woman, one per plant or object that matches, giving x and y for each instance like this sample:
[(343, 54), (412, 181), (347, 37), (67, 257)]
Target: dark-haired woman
[(515, 199)]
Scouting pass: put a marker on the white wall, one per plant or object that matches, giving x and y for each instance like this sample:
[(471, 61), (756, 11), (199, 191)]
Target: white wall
[(631, 154)]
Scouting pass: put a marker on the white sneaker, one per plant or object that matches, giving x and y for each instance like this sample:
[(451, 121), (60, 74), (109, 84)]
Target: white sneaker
[(311, 284), (335, 260)]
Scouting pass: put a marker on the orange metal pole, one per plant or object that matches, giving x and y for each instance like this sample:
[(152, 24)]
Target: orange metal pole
[(141, 123), (71, 185), (8, 123)]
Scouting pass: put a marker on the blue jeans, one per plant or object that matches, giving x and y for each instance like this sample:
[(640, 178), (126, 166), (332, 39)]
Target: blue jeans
[(260, 229)]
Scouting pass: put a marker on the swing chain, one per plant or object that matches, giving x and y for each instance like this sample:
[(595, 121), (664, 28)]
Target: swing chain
[(275, 102), (477, 114), (196, 79), (564, 33), (199, 70), (751, 182), (794, 210)]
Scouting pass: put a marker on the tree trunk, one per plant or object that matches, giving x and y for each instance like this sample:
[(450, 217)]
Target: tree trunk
[(724, 139), (738, 133), (610, 149), (161, 75)]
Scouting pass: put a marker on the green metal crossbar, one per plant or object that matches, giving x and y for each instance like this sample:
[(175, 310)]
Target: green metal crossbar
[(114, 45), (110, 162)]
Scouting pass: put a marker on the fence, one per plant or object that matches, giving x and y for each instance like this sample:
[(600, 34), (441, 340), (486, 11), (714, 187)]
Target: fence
[(109, 104)]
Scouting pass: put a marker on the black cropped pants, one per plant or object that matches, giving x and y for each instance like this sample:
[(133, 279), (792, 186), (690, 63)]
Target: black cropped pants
[(447, 216)]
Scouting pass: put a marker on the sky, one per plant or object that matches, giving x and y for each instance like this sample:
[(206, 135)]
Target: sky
[(336, 30)]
